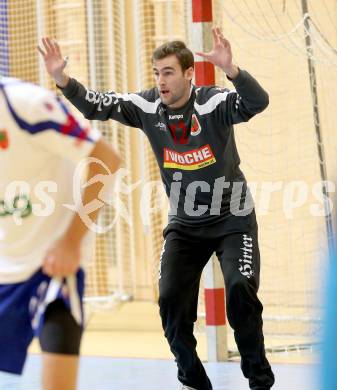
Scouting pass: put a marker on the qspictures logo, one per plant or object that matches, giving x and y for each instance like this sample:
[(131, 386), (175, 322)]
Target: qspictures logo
[(4, 141), (191, 160)]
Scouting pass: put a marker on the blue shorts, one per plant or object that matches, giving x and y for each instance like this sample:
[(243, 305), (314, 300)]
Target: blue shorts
[(22, 308)]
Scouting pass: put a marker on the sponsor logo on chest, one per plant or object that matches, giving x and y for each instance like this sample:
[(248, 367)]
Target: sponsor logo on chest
[(20, 206), (4, 141), (195, 125), (191, 160)]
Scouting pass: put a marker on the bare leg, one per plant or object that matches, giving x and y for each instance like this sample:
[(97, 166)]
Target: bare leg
[(59, 371)]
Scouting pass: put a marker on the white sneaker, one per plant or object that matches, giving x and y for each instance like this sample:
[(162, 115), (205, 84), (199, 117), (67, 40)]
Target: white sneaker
[(184, 387)]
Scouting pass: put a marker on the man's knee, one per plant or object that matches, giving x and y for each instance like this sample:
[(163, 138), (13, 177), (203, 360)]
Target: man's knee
[(242, 302), (169, 294)]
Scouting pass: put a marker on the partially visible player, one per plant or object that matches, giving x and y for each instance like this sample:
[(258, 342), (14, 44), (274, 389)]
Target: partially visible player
[(328, 367), (43, 243), (329, 364)]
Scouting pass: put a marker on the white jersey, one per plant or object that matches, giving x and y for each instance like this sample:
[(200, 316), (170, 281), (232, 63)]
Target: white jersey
[(40, 146)]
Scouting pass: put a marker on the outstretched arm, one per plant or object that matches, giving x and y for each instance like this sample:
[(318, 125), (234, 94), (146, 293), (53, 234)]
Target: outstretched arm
[(92, 104), (248, 98)]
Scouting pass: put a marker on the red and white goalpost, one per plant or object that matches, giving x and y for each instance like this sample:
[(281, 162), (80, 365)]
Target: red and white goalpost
[(201, 40)]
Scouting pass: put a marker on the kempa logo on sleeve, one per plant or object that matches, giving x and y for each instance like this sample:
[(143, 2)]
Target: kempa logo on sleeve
[(191, 160), (102, 99)]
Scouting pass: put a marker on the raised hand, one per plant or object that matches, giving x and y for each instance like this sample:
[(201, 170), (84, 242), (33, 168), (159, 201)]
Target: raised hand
[(221, 54), (54, 61)]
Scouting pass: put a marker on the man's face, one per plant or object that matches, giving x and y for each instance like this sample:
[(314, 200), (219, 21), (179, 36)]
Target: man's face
[(173, 84)]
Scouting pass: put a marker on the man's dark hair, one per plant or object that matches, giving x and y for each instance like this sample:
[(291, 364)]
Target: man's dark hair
[(177, 48)]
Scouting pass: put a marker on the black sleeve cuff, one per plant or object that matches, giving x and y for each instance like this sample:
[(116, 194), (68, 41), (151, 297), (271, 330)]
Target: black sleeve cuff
[(70, 89), (230, 79), (241, 78)]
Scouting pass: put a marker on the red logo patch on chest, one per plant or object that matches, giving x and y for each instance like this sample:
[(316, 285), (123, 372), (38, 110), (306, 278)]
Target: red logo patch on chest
[(195, 125), (4, 141), (48, 106)]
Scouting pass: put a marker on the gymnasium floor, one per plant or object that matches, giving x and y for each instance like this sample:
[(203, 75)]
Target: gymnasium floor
[(102, 373), (124, 349)]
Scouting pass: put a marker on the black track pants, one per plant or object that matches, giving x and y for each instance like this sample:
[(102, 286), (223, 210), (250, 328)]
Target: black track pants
[(183, 258)]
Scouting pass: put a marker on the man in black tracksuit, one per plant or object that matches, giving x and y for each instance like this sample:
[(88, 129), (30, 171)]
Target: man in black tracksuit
[(191, 133)]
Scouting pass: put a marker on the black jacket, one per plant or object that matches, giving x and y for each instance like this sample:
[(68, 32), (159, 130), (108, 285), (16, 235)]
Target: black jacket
[(194, 145)]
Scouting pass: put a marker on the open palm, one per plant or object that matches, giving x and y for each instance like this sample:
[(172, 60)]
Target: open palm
[(52, 57), (221, 53)]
